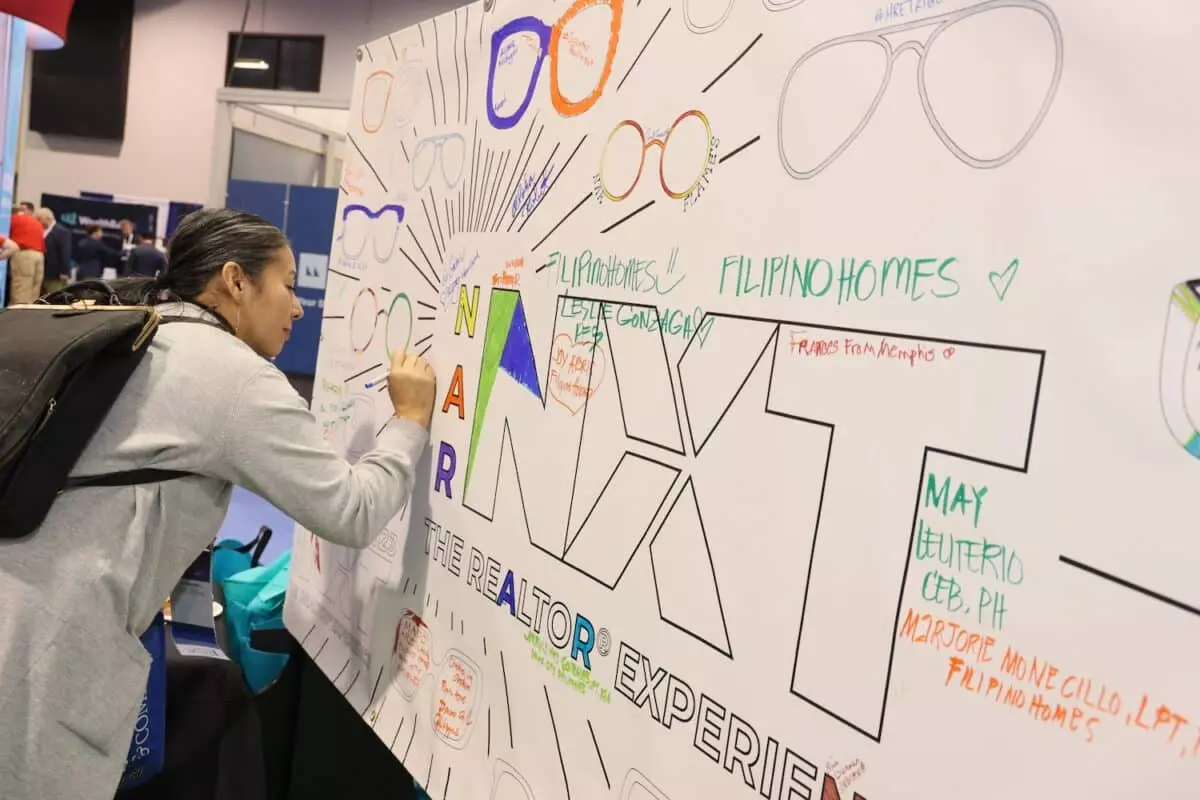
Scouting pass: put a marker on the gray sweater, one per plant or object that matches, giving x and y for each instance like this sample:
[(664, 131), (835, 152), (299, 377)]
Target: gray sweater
[(76, 595)]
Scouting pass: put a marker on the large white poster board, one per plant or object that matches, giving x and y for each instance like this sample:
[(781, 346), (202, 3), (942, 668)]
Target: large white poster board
[(818, 400)]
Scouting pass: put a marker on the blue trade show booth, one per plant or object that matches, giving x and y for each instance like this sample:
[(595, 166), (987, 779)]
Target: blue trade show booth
[(305, 214)]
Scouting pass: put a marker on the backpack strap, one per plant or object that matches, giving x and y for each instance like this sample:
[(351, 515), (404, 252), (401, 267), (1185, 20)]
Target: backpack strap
[(133, 477), (138, 477)]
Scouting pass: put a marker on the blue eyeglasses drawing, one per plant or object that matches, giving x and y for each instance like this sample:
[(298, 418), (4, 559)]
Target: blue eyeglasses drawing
[(381, 226), (506, 41)]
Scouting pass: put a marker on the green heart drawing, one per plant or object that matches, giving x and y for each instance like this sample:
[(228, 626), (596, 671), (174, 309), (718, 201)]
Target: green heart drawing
[(1001, 281)]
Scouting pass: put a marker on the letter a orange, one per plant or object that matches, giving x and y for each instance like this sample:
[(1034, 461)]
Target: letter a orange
[(454, 395)]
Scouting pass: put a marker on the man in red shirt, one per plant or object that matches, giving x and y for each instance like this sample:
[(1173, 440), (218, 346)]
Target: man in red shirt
[(27, 265)]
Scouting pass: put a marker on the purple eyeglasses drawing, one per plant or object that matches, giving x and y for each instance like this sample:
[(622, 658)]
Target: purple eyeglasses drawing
[(380, 225)]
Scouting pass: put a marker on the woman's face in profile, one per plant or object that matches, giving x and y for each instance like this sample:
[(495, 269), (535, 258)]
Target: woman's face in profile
[(271, 306)]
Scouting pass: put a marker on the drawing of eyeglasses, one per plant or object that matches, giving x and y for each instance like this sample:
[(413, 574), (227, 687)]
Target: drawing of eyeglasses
[(380, 225), (950, 35), (449, 149), (638, 787), (699, 18), (396, 89), (377, 93), (525, 43), (1179, 375), (364, 322), (684, 176), (508, 784)]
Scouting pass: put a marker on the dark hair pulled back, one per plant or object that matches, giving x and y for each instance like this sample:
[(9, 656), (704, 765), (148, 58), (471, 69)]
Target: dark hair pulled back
[(202, 244)]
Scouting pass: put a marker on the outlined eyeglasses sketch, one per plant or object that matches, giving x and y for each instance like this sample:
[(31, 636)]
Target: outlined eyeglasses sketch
[(941, 25), (623, 188), (377, 93), (638, 787), (1179, 376), (508, 784), (448, 149), (381, 226), (694, 18), (507, 42), (364, 321)]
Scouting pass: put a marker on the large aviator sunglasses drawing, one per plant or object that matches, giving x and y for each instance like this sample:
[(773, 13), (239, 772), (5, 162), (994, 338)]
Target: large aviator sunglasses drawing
[(1179, 376), (694, 18), (447, 149), (507, 41), (941, 25), (379, 225)]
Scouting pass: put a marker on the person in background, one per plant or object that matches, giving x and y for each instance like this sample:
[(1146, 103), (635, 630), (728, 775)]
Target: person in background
[(58, 252), (145, 260), (93, 255), (78, 592), (128, 242), (25, 206), (27, 265)]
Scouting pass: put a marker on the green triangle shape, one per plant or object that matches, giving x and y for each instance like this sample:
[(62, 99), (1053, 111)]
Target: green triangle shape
[(500, 314)]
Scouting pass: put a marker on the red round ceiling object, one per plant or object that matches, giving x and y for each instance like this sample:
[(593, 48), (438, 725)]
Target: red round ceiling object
[(50, 16)]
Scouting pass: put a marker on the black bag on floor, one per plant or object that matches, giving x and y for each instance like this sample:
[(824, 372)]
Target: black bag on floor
[(61, 369)]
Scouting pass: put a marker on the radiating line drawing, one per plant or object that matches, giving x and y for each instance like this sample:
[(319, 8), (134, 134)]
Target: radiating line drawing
[(709, 27), (380, 225), (620, 192), (549, 37), (940, 25), (1179, 373)]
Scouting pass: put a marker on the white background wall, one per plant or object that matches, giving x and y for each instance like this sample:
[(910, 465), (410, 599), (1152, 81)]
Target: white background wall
[(176, 66)]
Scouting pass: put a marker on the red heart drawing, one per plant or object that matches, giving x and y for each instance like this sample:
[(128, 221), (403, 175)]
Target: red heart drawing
[(573, 363)]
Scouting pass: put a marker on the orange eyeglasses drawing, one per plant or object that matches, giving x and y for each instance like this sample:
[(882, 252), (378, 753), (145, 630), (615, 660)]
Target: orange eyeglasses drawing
[(618, 187), (548, 39)]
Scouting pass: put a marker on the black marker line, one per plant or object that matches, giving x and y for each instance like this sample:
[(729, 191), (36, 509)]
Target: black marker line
[(411, 736), (368, 163), (437, 57), (1162, 598), (438, 235), (364, 372), (425, 319), (345, 275), (507, 704), (446, 788), (451, 620), (596, 744), (428, 774), (404, 588), (466, 67), (437, 608), (428, 80), (470, 202), (369, 53), (377, 713), (320, 649), (578, 205), (379, 432), (489, 739), (491, 206), (380, 390), (313, 628), (422, 355), (484, 644), (731, 64), (343, 189), (395, 55), (487, 177), (424, 255), (418, 269), (550, 188), (433, 234), (541, 174), (557, 744), (737, 150), (511, 191), (462, 629), (385, 289), (457, 76), (628, 216), (376, 688), (333, 316), (340, 671), (404, 150), (349, 686), (423, 304), (399, 728), (449, 219), (647, 44), (542, 267)]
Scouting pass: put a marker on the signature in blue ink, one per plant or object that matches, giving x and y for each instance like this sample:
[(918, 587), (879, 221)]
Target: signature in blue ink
[(530, 192)]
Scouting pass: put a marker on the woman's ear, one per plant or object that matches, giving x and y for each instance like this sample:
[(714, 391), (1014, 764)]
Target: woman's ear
[(234, 278)]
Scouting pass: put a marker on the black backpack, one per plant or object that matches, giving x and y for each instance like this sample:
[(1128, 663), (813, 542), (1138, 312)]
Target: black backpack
[(63, 363)]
